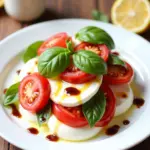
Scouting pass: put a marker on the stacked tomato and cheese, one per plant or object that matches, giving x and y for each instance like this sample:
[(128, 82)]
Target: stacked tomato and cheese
[(70, 90)]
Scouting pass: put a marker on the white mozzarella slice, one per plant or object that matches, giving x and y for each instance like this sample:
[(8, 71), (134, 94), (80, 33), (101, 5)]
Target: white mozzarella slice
[(124, 98), (28, 68), (27, 115), (68, 133), (60, 96)]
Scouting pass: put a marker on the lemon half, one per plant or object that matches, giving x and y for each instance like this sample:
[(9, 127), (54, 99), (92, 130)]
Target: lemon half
[(133, 15)]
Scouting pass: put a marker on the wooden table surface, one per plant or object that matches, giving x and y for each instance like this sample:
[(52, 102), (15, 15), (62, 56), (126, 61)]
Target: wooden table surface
[(61, 9)]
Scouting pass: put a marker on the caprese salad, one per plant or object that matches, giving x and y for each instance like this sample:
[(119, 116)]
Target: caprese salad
[(75, 85)]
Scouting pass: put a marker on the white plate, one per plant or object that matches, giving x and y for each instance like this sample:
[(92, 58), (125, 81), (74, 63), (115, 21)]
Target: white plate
[(133, 48)]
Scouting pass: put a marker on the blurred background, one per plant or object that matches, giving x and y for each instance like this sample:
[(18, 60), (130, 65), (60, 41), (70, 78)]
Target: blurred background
[(133, 15)]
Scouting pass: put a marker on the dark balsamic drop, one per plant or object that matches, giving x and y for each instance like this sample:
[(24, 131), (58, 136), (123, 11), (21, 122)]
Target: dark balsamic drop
[(139, 102), (33, 130), (72, 91), (126, 122), (112, 130), (15, 111), (53, 138)]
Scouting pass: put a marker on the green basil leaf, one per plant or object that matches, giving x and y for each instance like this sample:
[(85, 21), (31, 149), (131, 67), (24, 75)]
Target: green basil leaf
[(69, 45), (31, 51), (97, 15), (53, 61), (94, 109), (115, 60), (44, 115), (95, 35), (89, 62), (11, 95), (10, 99)]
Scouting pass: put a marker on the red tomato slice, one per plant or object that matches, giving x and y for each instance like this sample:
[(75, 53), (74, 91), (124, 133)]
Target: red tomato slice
[(58, 39), (100, 49), (118, 74), (34, 92), (76, 76), (110, 106), (73, 116)]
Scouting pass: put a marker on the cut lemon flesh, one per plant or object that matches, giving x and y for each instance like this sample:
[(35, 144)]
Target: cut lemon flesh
[(133, 15)]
